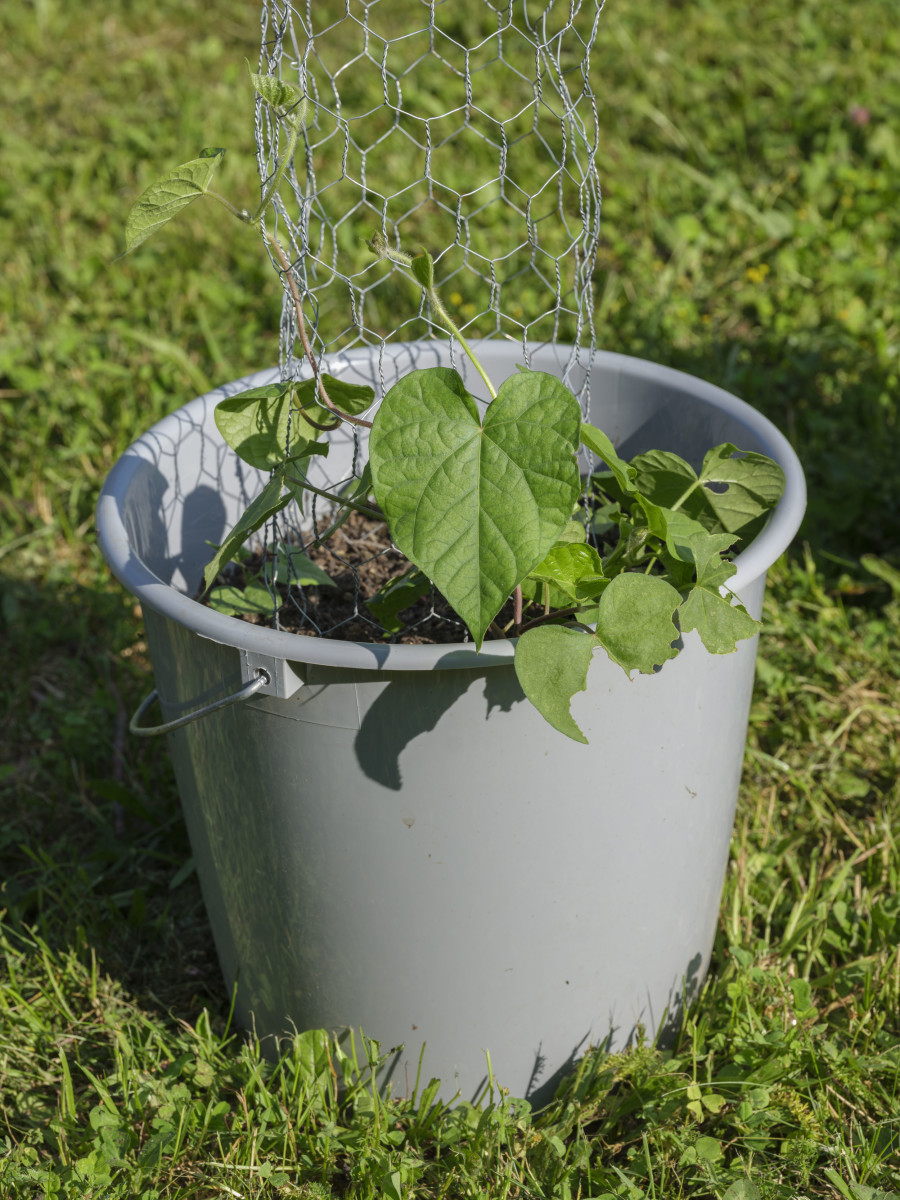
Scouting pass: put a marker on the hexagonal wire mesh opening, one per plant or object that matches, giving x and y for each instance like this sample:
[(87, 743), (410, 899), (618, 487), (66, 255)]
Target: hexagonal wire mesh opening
[(465, 127)]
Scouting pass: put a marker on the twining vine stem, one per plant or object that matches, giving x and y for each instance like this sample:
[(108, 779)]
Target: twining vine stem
[(304, 337)]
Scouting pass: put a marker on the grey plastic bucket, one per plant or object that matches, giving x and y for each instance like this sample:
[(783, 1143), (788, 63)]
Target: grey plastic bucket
[(389, 837)]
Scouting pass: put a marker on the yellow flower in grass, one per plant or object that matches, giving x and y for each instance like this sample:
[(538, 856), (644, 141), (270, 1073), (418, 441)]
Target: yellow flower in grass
[(757, 274)]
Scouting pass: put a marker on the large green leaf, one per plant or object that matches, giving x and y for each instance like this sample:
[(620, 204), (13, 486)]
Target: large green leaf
[(476, 506), (551, 665), (634, 621), (167, 197)]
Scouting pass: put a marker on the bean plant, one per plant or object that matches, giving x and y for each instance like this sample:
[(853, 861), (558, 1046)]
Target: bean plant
[(492, 507)]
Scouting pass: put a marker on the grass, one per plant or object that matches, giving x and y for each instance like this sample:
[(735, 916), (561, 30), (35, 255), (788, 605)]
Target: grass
[(749, 160)]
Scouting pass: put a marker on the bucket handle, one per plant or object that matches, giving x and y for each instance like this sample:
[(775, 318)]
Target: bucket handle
[(244, 693)]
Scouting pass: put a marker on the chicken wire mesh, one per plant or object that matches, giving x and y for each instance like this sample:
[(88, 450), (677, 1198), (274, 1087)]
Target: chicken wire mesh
[(467, 128)]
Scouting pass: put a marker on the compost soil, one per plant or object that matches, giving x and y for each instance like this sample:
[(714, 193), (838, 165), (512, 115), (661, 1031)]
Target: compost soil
[(359, 558)]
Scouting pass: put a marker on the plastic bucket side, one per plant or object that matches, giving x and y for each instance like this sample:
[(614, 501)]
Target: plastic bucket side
[(414, 851)]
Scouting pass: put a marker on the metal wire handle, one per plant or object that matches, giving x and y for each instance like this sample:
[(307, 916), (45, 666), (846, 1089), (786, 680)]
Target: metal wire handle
[(249, 689)]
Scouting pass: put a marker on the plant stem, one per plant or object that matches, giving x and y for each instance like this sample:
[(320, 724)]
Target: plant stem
[(681, 499), (341, 500), (553, 616), (438, 307), (304, 337), (236, 212), (275, 181), (517, 608), (402, 259)]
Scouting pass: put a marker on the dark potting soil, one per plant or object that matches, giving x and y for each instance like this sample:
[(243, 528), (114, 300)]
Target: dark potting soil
[(360, 559)]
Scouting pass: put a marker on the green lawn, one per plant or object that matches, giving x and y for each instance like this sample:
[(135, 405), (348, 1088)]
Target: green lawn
[(750, 158)]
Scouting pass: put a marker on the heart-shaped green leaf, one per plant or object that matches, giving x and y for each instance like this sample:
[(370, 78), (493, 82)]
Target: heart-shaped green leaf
[(168, 196), (476, 506)]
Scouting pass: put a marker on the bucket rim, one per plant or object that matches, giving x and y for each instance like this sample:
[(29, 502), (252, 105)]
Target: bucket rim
[(168, 601)]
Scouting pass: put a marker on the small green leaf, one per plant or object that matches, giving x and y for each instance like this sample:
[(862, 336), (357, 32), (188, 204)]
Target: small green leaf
[(654, 516), (574, 568), (397, 594), (634, 621), (742, 1189), (352, 398), (708, 1149), (474, 505), (266, 504), (542, 589), (292, 567), (720, 623), (551, 665), (285, 98), (253, 599), (662, 476), (255, 425), (598, 443), (687, 540), (167, 197), (801, 994), (423, 269), (754, 485)]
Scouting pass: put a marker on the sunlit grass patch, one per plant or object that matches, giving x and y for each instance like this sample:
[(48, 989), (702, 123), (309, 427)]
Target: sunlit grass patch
[(748, 158)]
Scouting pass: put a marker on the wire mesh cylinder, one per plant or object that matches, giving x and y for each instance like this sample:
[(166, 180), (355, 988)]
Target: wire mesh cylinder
[(468, 129)]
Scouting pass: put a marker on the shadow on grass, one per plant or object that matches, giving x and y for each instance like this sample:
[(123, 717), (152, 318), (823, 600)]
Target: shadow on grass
[(93, 849)]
